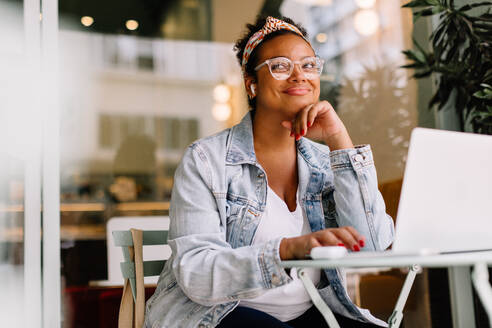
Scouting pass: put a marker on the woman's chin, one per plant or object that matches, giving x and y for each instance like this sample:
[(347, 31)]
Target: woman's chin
[(296, 105)]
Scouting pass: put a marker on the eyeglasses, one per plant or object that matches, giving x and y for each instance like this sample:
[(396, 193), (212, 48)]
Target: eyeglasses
[(281, 68)]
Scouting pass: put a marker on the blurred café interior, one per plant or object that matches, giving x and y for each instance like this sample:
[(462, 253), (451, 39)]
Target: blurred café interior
[(99, 100)]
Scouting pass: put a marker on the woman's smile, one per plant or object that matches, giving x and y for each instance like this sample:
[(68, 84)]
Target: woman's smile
[(297, 91)]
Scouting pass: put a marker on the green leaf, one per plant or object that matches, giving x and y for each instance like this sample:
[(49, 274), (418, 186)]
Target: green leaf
[(484, 94), (415, 55), (419, 3), (451, 53), (436, 35), (474, 5), (426, 12), (410, 66), (434, 100), (423, 74), (468, 24)]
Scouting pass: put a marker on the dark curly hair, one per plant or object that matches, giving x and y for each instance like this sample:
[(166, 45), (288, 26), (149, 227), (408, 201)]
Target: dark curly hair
[(253, 59)]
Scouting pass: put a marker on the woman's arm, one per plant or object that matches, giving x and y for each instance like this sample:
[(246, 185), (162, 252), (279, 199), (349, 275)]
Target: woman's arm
[(207, 269), (358, 202), (356, 192)]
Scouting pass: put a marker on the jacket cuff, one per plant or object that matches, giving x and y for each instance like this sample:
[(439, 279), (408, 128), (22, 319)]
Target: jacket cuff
[(269, 259), (355, 158)]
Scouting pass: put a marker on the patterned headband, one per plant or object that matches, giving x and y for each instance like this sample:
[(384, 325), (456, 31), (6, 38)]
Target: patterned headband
[(272, 24)]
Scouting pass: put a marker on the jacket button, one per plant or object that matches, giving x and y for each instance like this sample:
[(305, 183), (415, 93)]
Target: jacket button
[(358, 158)]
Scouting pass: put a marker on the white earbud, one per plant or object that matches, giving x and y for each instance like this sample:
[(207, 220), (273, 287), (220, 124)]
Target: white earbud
[(253, 89)]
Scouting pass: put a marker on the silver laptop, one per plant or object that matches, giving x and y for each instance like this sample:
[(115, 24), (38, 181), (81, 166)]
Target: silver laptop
[(446, 198)]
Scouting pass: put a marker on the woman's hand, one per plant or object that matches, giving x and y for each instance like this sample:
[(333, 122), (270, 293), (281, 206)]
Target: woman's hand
[(299, 247), (319, 121)]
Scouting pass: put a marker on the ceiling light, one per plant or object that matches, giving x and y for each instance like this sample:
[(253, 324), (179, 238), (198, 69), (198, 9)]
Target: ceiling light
[(87, 21), (131, 24), (366, 22), (222, 94), (321, 37)]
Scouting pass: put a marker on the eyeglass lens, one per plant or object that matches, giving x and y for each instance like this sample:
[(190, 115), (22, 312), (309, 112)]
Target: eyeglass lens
[(281, 68)]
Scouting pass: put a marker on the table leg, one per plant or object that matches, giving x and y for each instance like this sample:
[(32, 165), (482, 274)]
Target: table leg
[(461, 294), (317, 300), (396, 317), (480, 278)]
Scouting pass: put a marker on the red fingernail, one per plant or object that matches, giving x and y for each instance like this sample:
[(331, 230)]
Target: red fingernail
[(356, 248), (298, 137), (291, 133), (362, 243), (302, 132), (341, 244), (309, 124)]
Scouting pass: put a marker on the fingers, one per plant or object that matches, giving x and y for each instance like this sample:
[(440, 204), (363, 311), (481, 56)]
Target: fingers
[(305, 119), (312, 115), (300, 122), (347, 238), (299, 247), (344, 236), (360, 238), (326, 237)]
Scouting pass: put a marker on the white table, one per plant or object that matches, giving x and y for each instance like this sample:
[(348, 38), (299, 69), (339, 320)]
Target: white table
[(460, 280)]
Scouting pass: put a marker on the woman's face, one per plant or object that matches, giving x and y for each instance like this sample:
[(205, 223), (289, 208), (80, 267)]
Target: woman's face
[(289, 96)]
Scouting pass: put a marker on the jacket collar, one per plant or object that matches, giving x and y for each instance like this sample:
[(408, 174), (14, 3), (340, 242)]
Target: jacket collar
[(241, 148)]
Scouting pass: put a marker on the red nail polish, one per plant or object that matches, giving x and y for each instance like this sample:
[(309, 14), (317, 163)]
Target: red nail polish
[(309, 124), (298, 136), (341, 244), (362, 243), (356, 248), (302, 132), (291, 133)]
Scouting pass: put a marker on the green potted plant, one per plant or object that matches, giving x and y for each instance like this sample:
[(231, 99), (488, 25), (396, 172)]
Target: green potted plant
[(460, 58)]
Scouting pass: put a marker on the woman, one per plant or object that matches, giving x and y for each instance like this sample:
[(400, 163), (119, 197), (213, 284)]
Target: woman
[(258, 193)]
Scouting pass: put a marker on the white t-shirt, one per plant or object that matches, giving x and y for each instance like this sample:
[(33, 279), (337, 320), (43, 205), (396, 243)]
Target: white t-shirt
[(289, 301)]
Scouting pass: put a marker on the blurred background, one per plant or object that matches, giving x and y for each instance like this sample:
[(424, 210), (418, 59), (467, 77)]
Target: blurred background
[(99, 99)]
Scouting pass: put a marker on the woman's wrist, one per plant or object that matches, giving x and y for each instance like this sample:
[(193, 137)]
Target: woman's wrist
[(340, 140), (285, 249)]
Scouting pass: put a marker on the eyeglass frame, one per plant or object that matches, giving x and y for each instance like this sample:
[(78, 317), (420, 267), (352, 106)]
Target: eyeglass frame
[(294, 62)]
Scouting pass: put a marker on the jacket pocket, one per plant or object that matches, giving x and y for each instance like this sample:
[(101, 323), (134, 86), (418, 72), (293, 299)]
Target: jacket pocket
[(234, 211)]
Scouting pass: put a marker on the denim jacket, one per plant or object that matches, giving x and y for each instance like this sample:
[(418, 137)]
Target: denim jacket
[(217, 202)]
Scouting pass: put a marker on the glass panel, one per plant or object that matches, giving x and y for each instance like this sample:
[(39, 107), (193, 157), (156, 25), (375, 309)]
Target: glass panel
[(11, 239), (18, 274)]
